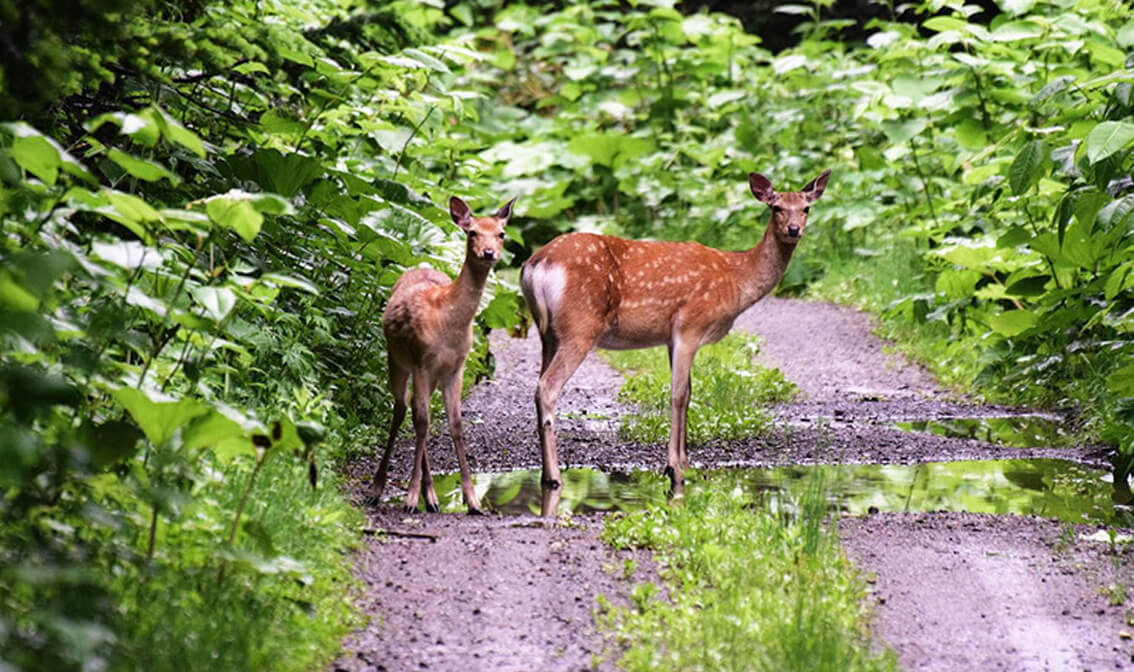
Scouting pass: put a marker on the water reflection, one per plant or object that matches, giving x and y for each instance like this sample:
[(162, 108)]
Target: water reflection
[(1042, 487), (1017, 431)]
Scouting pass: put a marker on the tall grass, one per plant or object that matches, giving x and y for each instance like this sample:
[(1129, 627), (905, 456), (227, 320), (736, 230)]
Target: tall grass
[(749, 582), (729, 390)]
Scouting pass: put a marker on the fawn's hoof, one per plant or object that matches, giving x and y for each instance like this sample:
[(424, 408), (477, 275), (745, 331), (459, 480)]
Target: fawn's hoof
[(476, 511), (430, 507), (406, 508)]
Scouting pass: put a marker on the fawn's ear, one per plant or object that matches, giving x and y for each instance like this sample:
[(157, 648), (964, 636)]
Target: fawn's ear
[(505, 213), (814, 188), (460, 213), (761, 187)]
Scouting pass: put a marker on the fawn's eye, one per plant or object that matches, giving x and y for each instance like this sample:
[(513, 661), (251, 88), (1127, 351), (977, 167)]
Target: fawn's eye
[(807, 209), (501, 234), (777, 209)]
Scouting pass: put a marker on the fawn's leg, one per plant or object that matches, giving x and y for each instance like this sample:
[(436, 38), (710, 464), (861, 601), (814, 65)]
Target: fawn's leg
[(451, 390), (422, 387), (432, 504), (399, 377)]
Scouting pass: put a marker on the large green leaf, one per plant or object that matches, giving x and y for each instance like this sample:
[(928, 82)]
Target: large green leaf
[(900, 132), (1012, 322), (241, 211), (600, 147), (1107, 138), (143, 169), (173, 131), (158, 416), (1121, 382), (128, 254), (1028, 166), (1014, 31), (284, 174), (218, 302), (141, 129), (37, 156)]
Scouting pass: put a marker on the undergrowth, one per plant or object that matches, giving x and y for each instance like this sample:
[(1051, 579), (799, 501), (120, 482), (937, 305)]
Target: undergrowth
[(729, 390), (750, 581), (282, 603)]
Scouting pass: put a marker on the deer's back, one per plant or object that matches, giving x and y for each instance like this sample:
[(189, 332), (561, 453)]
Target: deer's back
[(636, 292), (414, 320)]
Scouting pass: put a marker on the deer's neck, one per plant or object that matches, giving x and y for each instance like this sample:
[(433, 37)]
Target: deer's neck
[(764, 266), (465, 294)]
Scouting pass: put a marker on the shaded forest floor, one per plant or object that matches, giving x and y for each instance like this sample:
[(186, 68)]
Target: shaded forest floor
[(951, 591)]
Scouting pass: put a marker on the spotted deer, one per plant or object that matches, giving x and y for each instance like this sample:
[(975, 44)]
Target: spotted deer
[(586, 290), (428, 327)]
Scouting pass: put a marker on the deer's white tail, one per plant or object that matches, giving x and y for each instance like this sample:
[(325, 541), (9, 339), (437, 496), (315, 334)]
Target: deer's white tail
[(543, 285)]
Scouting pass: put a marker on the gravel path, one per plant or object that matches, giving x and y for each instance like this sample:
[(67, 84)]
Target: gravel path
[(953, 591)]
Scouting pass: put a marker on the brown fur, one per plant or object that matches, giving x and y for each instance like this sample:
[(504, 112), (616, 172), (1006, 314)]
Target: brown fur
[(428, 328), (586, 290)]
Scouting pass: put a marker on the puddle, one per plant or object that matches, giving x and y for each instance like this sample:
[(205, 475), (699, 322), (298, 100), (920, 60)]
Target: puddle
[(1017, 431), (1043, 487)]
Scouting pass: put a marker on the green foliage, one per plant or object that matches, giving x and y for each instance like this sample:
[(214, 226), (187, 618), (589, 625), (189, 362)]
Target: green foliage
[(748, 585), (197, 246), (984, 199), (729, 390), (205, 204)]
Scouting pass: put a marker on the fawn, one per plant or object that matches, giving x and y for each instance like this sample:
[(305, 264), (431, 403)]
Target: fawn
[(428, 327), (585, 290)]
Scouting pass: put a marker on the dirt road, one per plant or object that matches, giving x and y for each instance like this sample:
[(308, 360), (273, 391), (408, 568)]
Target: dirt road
[(953, 591)]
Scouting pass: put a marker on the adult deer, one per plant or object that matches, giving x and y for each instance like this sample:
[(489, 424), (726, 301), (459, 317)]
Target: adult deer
[(428, 327), (586, 290)]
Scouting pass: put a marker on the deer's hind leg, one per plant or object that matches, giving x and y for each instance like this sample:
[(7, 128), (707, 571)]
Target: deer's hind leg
[(420, 479), (561, 358), (399, 386)]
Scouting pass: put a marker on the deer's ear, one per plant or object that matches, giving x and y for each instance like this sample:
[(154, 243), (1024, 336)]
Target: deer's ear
[(761, 187), (505, 213), (814, 188), (460, 213)]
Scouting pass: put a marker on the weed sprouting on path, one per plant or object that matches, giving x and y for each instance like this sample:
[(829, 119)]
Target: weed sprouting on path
[(731, 390), (747, 582)]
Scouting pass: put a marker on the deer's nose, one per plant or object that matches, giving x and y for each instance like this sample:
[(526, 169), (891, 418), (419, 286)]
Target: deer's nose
[(793, 231), (488, 255)]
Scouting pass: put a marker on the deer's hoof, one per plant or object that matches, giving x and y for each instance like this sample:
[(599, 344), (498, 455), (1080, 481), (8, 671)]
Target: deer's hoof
[(430, 507), (476, 511), (409, 509)]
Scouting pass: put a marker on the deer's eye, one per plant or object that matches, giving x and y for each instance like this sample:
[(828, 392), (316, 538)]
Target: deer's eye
[(473, 233), (777, 209), (807, 209), (501, 234)]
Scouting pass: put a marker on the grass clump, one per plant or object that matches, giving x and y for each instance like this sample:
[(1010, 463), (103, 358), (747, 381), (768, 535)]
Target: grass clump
[(729, 389), (750, 582)]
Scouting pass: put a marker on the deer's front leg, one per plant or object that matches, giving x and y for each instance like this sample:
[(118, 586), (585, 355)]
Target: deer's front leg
[(422, 387), (681, 353), (452, 394)]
